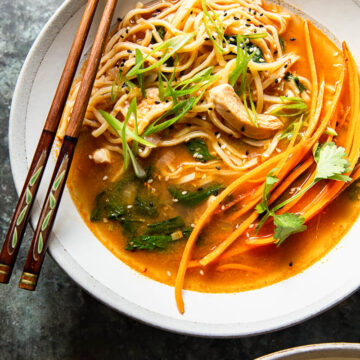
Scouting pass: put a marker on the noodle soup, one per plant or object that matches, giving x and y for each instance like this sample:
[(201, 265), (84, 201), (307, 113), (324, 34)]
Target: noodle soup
[(219, 149)]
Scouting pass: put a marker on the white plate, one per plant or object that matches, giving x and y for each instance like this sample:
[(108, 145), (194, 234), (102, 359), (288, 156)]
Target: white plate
[(331, 351), (95, 269)]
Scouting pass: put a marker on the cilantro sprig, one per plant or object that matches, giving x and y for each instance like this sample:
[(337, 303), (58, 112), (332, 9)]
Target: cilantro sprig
[(331, 165)]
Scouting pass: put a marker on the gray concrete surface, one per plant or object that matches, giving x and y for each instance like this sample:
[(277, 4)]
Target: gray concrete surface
[(59, 320)]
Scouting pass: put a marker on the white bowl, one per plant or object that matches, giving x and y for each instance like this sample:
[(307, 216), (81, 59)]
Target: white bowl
[(331, 351), (100, 273)]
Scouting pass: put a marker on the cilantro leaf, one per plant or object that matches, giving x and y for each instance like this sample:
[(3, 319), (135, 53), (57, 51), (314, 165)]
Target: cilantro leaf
[(287, 224), (331, 163)]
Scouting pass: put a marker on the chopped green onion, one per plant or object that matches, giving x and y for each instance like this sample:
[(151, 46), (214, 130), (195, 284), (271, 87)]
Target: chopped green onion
[(293, 106), (217, 24), (140, 77), (330, 131), (175, 44), (117, 127)]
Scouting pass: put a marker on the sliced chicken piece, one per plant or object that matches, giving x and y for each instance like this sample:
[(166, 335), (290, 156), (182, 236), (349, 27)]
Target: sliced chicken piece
[(233, 111), (101, 156), (150, 109)]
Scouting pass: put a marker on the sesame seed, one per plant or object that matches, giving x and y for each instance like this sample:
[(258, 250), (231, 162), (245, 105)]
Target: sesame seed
[(127, 91), (175, 200), (202, 272), (105, 178), (127, 31), (184, 192), (292, 39), (216, 193), (243, 128), (119, 19), (248, 25), (217, 167), (247, 152), (168, 273), (236, 18), (151, 203), (150, 181), (129, 206), (129, 51), (276, 81), (122, 36), (210, 109), (249, 20), (261, 25), (191, 12), (157, 102)]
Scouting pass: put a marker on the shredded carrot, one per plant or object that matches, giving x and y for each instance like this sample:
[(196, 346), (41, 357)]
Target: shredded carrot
[(314, 81), (260, 241), (227, 267)]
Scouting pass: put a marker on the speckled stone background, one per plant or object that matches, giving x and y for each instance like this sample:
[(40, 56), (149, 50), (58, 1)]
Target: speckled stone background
[(59, 320)]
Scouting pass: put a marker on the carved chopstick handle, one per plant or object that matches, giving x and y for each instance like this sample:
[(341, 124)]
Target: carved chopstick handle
[(21, 214), (40, 240)]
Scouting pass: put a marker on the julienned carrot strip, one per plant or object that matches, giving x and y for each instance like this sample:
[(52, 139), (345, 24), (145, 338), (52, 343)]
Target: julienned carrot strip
[(290, 179), (260, 241), (227, 267), (314, 81), (229, 240), (234, 252)]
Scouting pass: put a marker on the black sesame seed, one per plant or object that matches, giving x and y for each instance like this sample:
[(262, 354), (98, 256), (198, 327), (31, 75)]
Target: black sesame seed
[(127, 91), (189, 125), (225, 14), (285, 66), (247, 152), (117, 65), (230, 135), (207, 38), (122, 36), (127, 31), (217, 167), (202, 100), (166, 101), (219, 143), (261, 25), (243, 128), (216, 133), (255, 31), (122, 64), (290, 263), (157, 102), (248, 25), (276, 81), (211, 109), (159, 57), (119, 19), (292, 39), (249, 20), (203, 161), (261, 14), (213, 37), (200, 189), (151, 203), (275, 52), (216, 193), (123, 85), (191, 12), (129, 51), (236, 18), (198, 116)]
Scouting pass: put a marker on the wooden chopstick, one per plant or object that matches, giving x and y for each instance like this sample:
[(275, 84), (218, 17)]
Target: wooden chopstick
[(21, 214), (39, 242)]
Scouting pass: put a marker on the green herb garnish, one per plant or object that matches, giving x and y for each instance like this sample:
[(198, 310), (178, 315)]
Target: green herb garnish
[(193, 198), (199, 150)]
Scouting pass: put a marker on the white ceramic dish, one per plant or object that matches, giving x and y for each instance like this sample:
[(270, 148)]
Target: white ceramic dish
[(331, 351), (100, 273)]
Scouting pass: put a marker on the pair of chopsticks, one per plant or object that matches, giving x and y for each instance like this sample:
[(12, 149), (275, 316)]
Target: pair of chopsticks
[(20, 218)]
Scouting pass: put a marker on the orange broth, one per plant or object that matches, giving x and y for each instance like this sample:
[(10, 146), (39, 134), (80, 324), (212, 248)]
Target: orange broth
[(274, 264)]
